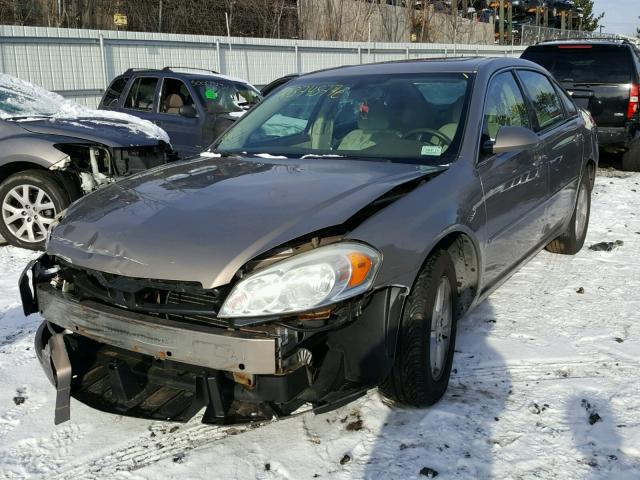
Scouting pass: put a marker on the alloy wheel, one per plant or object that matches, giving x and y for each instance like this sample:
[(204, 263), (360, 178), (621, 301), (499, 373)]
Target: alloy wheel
[(441, 323), (582, 211), (27, 211)]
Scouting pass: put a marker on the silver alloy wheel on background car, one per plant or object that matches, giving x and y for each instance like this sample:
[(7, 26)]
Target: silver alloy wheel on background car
[(440, 335), (27, 212), (582, 211)]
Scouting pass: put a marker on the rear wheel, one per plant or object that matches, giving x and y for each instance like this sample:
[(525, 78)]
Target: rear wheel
[(420, 375), (631, 158), (572, 240), (29, 201)]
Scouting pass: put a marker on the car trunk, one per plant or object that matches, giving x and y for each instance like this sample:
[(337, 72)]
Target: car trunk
[(598, 77)]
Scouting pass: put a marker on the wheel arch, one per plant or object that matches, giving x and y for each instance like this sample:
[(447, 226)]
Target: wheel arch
[(65, 180), (9, 168), (464, 251)]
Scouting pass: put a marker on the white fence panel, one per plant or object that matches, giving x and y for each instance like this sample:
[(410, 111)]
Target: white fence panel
[(79, 64)]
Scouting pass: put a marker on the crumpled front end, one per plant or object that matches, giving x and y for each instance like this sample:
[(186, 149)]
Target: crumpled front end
[(157, 349)]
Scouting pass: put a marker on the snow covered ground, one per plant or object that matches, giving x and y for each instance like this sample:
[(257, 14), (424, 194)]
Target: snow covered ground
[(546, 385)]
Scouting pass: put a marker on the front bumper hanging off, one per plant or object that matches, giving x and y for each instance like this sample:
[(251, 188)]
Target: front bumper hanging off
[(129, 363)]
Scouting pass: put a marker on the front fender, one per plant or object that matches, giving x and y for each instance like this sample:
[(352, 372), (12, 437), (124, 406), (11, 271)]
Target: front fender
[(408, 230)]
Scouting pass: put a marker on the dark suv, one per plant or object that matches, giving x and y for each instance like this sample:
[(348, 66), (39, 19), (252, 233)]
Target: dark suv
[(193, 108), (603, 77)]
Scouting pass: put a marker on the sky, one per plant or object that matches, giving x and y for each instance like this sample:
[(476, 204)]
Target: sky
[(621, 16)]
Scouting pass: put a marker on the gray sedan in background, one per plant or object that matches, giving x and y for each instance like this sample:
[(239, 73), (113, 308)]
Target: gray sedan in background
[(53, 151), (328, 243)]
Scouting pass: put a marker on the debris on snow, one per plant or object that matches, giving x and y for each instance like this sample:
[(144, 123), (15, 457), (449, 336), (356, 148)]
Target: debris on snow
[(594, 417), (20, 396), (354, 426), (606, 246), (428, 472), (345, 459), (535, 408), (179, 457), (580, 290)]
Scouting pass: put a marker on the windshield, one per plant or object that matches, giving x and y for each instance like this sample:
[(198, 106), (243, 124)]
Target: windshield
[(223, 96), (22, 99), (584, 64), (415, 118)]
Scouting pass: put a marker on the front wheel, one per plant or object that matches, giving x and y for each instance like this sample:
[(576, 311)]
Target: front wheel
[(572, 240), (422, 368), (29, 201)]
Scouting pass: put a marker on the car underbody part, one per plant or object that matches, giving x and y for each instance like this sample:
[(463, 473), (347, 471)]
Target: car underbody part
[(160, 364), (62, 366)]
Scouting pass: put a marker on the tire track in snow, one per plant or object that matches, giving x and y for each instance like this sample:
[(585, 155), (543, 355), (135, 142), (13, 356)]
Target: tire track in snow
[(12, 417), (40, 457), (147, 450), (545, 371)]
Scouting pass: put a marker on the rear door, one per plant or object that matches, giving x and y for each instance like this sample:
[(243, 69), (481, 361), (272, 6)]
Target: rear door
[(515, 184), (598, 77), (558, 124)]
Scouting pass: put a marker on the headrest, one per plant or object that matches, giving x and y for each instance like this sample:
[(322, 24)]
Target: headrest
[(174, 101), (373, 115)]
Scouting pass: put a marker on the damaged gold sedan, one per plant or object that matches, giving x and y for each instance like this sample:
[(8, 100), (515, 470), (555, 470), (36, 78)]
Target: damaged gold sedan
[(325, 245)]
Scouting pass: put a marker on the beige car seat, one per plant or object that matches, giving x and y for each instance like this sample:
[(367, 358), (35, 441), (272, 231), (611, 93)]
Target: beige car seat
[(373, 128), (173, 103)]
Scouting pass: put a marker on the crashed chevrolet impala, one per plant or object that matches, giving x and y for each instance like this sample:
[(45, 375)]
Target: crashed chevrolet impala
[(326, 244)]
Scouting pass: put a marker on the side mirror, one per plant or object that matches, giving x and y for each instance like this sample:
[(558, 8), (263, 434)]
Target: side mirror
[(511, 139), (188, 111)]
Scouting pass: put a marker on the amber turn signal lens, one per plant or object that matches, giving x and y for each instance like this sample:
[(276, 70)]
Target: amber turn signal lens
[(360, 267)]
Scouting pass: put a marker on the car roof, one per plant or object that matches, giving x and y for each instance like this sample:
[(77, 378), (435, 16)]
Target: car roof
[(430, 65), (584, 41), (187, 73)]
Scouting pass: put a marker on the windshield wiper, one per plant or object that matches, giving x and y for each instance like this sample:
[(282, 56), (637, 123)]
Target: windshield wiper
[(18, 117), (322, 155)]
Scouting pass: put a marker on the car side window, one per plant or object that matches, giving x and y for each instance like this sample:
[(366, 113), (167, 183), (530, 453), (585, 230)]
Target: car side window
[(545, 100), (114, 91), (141, 94), (175, 94), (569, 106), (505, 106)]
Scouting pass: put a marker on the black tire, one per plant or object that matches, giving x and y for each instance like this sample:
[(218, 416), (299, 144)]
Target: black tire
[(631, 158), (32, 179), (570, 242), (412, 381)]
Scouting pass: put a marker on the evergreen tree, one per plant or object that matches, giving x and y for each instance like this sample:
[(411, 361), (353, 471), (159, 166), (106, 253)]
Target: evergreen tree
[(590, 21)]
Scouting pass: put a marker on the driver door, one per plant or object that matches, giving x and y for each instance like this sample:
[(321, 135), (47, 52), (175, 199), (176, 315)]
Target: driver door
[(515, 184)]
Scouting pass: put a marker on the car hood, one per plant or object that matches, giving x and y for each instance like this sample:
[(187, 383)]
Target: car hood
[(201, 220), (112, 132)]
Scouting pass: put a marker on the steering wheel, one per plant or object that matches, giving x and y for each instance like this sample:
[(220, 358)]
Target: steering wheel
[(418, 132)]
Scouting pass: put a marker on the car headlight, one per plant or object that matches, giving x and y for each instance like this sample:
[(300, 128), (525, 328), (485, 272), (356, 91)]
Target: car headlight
[(306, 281)]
